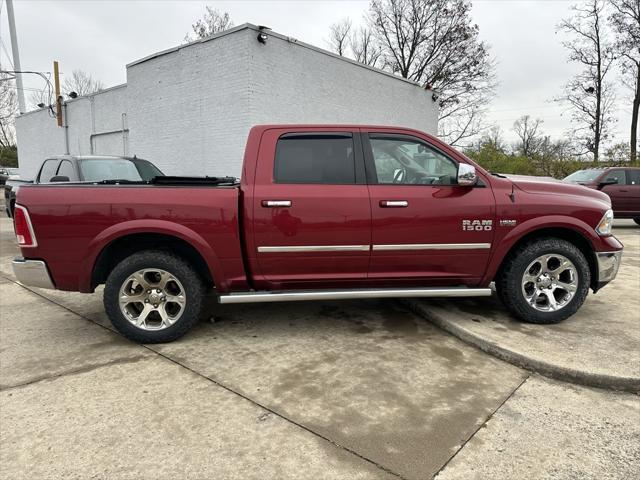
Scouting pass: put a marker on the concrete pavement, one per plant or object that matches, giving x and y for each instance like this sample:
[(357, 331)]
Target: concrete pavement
[(554, 430), (598, 346)]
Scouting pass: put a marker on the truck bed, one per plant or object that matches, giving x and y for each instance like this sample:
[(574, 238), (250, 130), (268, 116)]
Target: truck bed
[(74, 223)]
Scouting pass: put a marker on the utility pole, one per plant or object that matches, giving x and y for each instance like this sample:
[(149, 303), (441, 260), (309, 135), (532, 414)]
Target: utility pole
[(56, 78), (16, 55)]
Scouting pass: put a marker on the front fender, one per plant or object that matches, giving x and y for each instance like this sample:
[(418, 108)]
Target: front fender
[(119, 230), (505, 243)]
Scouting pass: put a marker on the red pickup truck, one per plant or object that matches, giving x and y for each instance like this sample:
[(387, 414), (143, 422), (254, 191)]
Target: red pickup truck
[(321, 212)]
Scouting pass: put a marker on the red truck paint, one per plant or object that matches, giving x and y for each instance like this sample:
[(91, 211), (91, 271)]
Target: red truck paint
[(227, 226)]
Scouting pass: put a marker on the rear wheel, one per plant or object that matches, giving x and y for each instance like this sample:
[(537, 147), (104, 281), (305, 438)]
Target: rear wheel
[(153, 297), (544, 281)]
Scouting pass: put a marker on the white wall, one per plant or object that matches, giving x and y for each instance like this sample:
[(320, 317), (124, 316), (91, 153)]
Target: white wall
[(297, 83), (38, 136), (88, 119), (189, 109)]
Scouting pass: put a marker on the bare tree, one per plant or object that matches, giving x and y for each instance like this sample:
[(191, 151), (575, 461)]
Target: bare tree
[(358, 44), (589, 94), (8, 111), (364, 48), (529, 134), (39, 97), (211, 22), (339, 36), (625, 21), (493, 139), (82, 83), (435, 43), (79, 81)]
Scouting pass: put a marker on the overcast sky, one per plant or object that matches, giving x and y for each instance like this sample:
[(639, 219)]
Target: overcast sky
[(101, 37)]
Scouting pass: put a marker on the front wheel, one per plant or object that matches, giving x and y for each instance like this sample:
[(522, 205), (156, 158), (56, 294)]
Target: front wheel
[(544, 281), (153, 297)]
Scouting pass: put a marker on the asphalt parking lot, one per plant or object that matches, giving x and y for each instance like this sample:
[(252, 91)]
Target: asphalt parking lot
[(352, 389)]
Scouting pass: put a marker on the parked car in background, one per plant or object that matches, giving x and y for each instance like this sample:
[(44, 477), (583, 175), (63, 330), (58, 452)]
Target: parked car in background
[(84, 169), (321, 212), (622, 184), (6, 173)]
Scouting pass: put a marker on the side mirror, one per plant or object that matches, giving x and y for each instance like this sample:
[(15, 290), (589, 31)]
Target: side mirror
[(608, 181), (59, 178), (467, 175)]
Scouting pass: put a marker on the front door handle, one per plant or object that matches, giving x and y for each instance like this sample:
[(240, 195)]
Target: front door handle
[(276, 203), (394, 203)]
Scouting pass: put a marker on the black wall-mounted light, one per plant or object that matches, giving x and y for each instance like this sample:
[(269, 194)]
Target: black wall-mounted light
[(73, 95), (262, 36)]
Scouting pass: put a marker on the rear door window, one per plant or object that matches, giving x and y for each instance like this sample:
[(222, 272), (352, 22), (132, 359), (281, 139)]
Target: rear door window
[(48, 170), (615, 176), (318, 159)]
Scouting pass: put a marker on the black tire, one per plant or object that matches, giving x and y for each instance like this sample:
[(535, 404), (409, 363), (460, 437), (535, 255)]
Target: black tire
[(509, 281), (637, 220), (153, 259)]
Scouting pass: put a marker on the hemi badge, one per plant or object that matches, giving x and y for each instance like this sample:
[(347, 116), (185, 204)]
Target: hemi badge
[(508, 223)]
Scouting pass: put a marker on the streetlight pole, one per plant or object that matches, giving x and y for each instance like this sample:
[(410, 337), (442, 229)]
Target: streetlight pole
[(16, 55)]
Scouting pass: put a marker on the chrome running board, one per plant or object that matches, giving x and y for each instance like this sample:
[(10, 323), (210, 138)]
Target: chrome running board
[(296, 296)]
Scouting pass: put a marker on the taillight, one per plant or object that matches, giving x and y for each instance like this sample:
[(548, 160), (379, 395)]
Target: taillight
[(23, 228)]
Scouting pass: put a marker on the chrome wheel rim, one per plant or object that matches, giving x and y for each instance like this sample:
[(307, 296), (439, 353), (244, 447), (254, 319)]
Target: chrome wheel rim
[(550, 282), (152, 299)]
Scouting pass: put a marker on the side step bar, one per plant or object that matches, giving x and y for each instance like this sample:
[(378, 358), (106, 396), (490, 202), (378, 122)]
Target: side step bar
[(296, 296)]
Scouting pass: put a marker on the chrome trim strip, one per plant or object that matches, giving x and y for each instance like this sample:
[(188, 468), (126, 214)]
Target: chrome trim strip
[(276, 203), (433, 246), (315, 248), (32, 273), (292, 296)]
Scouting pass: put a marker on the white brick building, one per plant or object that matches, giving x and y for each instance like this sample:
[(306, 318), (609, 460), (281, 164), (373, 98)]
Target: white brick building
[(189, 109)]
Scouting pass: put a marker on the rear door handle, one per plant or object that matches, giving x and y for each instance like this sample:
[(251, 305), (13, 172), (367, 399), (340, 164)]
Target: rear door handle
[(276, 203), (394, 203)]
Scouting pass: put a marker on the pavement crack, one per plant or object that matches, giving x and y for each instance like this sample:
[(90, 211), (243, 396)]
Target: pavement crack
[(215, 382), (77, 371), (482, 424)]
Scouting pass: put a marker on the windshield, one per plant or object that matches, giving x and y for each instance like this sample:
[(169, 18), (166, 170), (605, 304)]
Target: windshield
[(96, 170), (583, 176)]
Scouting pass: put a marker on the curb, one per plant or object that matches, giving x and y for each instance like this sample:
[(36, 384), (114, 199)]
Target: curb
[(581, 377)]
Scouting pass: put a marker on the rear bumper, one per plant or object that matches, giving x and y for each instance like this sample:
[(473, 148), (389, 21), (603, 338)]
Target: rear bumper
[(608, 265), (33, 273)]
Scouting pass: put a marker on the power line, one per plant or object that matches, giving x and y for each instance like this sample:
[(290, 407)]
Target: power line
[(48, 89)]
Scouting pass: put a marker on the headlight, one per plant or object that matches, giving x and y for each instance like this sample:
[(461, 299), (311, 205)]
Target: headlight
[(604, 227)]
